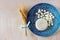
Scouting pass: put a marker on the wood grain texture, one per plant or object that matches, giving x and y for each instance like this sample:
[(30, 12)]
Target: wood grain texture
[(9, 19)]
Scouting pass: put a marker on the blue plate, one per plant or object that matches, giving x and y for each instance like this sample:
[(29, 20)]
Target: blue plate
[(32, 18)]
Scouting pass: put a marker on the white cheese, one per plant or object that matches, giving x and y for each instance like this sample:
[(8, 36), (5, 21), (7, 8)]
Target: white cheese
[(41, 24)]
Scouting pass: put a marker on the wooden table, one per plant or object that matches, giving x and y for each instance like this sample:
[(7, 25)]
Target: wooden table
[(10, 20)]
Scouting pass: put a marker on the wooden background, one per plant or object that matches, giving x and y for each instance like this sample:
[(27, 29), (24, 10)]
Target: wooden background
[(10, 20)]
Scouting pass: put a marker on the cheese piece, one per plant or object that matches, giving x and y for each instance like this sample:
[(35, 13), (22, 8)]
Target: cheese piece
[(41, 24)]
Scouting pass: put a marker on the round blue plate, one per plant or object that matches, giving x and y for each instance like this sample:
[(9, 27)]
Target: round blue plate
[(32, 18)]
